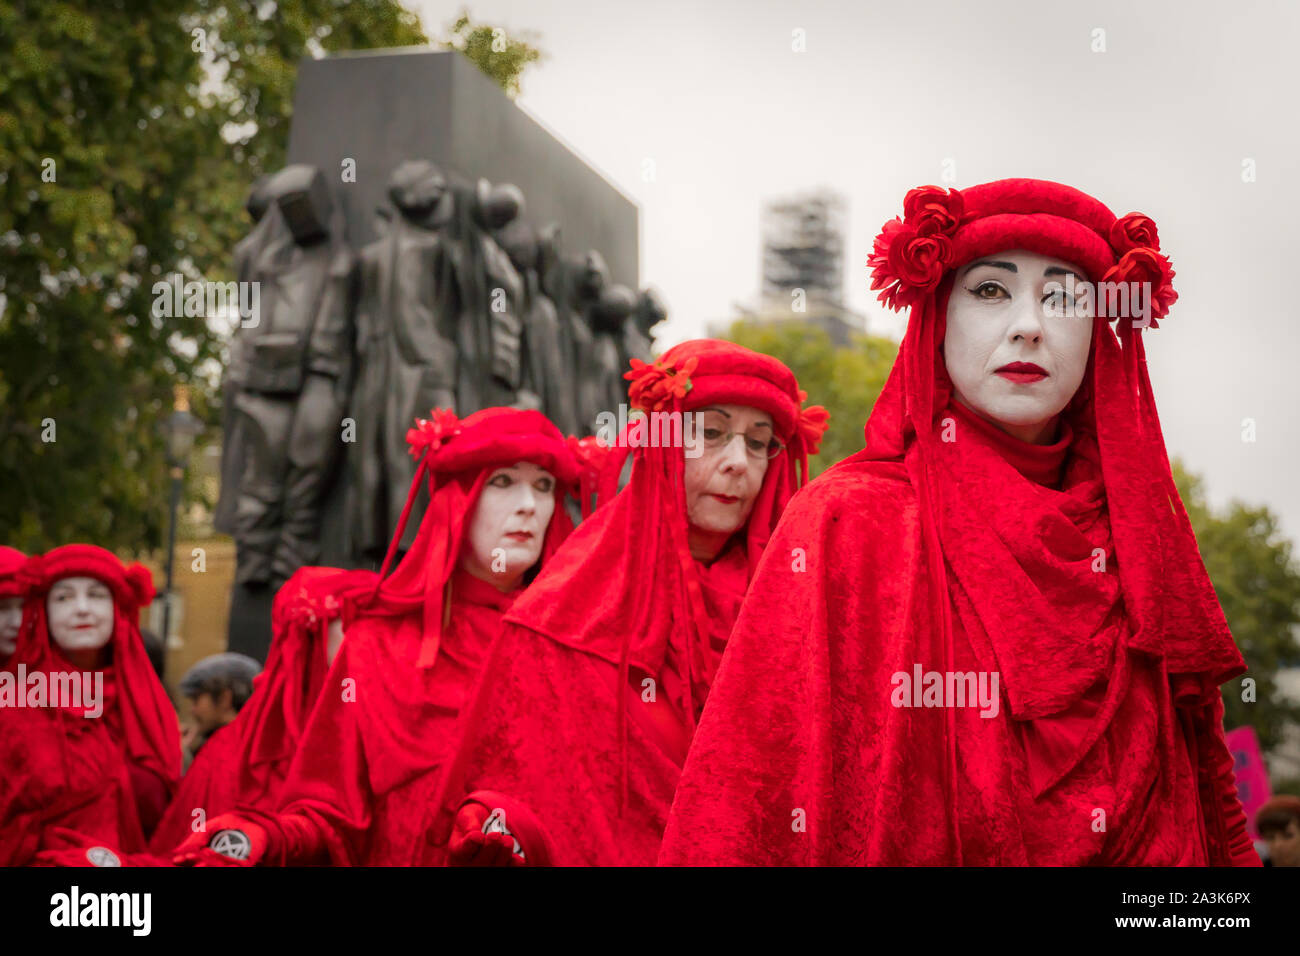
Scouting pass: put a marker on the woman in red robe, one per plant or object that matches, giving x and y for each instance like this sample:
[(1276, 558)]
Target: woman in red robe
[(586, 705), (11, 601), (246, 761), (87, 769), (367, 760), (1004, 647)]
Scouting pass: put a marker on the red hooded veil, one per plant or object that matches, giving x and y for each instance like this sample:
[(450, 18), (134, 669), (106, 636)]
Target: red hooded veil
[(623, 595), (366, 761), (11, 562), (247, 760), (85, 778), (1068, 571)]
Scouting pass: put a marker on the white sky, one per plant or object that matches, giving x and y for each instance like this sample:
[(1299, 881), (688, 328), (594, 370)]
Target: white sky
[(886, 92)]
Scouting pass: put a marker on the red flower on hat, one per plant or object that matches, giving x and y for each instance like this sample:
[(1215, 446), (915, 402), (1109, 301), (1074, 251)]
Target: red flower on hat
[(655, 386), (933, 209), (910, 256), (1150, 267), (433, 433), (1134, 231)]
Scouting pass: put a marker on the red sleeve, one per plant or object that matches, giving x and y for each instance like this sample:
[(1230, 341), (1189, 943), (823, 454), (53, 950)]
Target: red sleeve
[(1229, 843), (325, 804)]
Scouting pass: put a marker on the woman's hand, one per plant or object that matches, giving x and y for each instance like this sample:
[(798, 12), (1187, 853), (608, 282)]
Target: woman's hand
[(470, 846), (228, 840)]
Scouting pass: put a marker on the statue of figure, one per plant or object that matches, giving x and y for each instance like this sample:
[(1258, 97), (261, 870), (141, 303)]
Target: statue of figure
[(608, 315), (547, 348), (588, 277), (406, 351), (488, 299), (638, 341), (297, 362), (261, 201)]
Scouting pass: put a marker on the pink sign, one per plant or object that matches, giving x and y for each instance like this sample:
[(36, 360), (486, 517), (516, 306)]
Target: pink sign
[(1252, 775)]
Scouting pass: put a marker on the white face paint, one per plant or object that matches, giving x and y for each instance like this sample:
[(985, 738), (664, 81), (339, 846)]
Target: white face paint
[(722, 482), (1011, 308), (11, 619), (509, 524), (80, 613)]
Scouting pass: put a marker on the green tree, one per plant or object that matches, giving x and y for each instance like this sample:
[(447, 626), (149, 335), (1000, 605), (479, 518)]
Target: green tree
[(1257, 582), (128, 141), (498, 54), (846, 380)]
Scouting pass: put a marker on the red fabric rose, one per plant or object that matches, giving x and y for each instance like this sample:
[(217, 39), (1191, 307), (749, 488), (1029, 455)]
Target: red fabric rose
[(654, 387), (433, 433), (1132, 232), (1147, 266), (933, 209), (910, 256)]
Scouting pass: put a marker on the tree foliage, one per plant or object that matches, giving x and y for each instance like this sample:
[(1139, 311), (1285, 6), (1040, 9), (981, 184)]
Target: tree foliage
[(498, 54), (1257, 582)]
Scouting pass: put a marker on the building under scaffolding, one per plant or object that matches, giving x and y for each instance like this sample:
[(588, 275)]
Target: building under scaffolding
[(801, 272)]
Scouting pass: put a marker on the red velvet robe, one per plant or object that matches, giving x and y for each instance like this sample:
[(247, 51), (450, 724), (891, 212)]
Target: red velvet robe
[(544, 731), (803, 756), (367, 765), (64, 788)]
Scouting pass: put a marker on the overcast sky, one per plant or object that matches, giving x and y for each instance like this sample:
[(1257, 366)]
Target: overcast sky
[(886, 93)]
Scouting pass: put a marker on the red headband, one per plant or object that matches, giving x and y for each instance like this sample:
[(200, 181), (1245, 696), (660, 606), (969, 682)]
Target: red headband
[(942, 230), (132, 586), (11, 562)]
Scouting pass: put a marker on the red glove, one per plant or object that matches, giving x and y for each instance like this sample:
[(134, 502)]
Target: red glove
[(228, 840), (470, 846), (64, 847)]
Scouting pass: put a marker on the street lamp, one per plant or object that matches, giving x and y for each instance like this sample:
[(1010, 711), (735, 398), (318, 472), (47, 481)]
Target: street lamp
[(180, 429)]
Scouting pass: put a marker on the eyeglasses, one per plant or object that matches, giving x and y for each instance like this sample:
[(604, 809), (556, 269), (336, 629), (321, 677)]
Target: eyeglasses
[(758, 441)]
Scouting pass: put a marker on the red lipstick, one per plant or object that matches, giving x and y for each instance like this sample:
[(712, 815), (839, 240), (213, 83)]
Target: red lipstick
[(1022, 373)]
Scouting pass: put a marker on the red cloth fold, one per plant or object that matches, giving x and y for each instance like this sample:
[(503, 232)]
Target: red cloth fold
[(1105, 741)]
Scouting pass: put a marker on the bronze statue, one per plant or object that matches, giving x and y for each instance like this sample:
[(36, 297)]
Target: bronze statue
[(547, 347), (486, 296), (296, 372), (406, 351), (638, 341), (608, 316)]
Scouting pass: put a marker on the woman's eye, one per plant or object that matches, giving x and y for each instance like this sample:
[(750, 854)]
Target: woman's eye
[(712, 434), (501, 481), (756, 444), (989, 290), (544, 485)]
